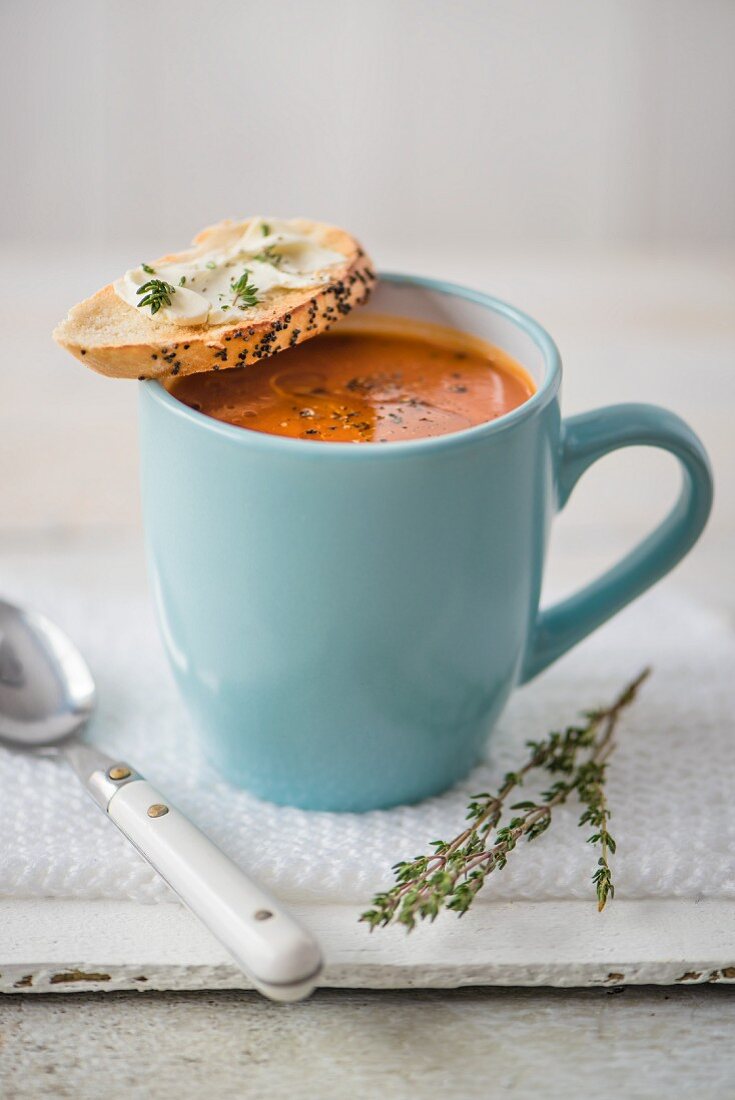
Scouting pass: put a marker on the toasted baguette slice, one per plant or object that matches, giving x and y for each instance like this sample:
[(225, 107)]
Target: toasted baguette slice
[(117, 339)]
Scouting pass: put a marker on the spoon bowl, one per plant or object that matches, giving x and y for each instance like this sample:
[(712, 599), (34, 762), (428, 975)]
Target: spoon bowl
[(47, 693)]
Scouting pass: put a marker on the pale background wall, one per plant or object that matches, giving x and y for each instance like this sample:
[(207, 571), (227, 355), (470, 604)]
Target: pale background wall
[(511, 121), (576, 157)]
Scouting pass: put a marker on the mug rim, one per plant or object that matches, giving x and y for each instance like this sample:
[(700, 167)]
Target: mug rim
[(264, 441)]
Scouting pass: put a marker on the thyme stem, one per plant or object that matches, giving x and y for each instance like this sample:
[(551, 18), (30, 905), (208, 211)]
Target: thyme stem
[(453, 874)]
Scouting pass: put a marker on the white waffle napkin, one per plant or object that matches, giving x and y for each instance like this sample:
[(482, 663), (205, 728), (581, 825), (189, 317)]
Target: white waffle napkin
[(671, 781)]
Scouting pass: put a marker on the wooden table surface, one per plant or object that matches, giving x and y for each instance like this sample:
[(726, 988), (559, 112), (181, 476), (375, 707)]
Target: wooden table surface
[(630, 327), (650, 1042)]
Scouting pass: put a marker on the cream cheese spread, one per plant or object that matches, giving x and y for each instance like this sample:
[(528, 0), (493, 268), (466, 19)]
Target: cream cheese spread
[(223, 285)]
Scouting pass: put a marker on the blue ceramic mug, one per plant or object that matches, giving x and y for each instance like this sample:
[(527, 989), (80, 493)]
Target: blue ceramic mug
[(346, 621)]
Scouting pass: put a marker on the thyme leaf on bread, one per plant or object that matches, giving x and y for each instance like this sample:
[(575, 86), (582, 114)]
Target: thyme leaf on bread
[(451, 876), (148, 269), (157, 294), (243, 289), (269, 256)]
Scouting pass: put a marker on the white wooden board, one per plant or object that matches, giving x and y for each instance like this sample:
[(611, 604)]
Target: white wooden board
[(68, 946)]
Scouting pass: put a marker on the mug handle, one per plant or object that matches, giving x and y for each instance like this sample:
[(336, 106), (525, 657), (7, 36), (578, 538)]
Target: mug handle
[(584, 439)]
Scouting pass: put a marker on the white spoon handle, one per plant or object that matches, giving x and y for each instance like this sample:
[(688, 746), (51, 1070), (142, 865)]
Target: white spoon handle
[(282, 958)]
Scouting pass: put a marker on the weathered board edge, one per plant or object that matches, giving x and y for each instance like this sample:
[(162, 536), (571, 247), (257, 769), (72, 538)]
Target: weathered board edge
[(68, 946)]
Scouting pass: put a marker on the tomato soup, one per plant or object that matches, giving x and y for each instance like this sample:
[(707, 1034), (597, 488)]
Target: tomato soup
[(365, 386)]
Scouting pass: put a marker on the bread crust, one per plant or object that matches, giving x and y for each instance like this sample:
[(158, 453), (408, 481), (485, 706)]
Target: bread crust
[(116, 339)]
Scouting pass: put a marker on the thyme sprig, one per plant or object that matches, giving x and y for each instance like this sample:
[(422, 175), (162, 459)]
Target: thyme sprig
[(157, 294), (591, 792), (243, 289), (454, 873)]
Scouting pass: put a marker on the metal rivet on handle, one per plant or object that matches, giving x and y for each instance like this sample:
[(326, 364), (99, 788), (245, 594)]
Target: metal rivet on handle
[(157, 810), (119, 772), (263, 914)]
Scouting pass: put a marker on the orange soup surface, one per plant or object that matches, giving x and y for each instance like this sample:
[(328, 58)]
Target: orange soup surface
[(354, 386)]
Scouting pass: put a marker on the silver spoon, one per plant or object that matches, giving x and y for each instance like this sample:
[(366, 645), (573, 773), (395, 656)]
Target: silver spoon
[(47, 696)]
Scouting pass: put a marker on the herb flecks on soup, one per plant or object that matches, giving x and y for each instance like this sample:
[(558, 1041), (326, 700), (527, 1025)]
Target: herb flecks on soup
[(366, 386)]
